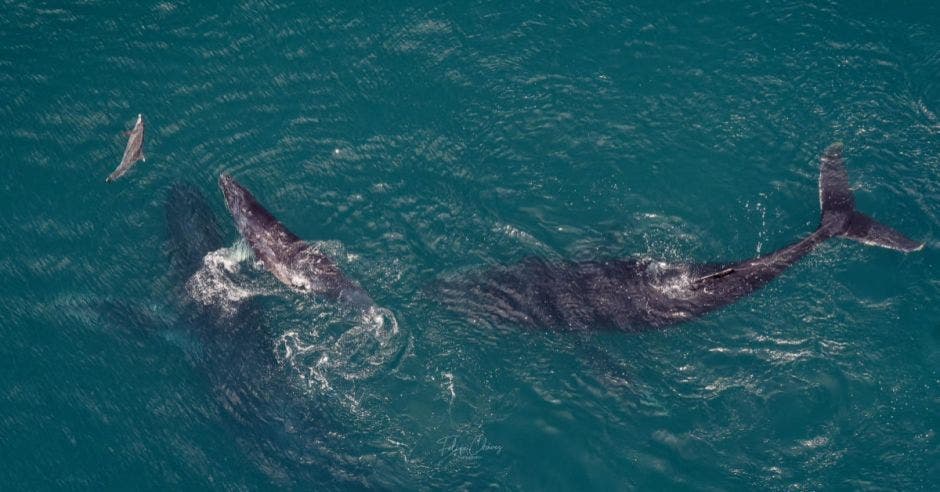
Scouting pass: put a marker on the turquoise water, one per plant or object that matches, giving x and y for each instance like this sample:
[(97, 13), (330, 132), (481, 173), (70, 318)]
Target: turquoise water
[(423, 141)]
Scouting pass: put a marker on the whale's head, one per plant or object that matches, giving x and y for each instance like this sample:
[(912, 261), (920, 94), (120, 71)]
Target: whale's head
[(240, 204), (233, 192)]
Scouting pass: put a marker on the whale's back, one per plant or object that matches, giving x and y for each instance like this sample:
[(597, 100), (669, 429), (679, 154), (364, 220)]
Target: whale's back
[(625, 294)]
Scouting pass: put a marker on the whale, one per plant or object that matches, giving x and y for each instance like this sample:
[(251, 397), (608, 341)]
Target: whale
[(297, 264), (636, 294), (286, 436), (133, 152)]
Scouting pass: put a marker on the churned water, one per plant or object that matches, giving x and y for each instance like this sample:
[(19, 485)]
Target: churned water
[(415, 142)]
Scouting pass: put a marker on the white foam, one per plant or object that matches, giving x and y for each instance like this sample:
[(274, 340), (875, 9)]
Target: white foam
[(328, 347), (222, 282), (450, 385), (671, 280), (337, 351)]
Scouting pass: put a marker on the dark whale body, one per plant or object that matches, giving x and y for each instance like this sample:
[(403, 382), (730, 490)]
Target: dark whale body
[(285, 435), (633, 294), (293, 261)]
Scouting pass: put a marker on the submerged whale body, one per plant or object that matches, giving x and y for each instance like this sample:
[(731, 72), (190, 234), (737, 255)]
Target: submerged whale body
[(632, 294), (285, 434), (291, 260)]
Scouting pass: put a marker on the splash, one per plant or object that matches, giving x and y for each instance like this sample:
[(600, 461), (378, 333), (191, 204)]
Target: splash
[(670, 279), (223, 281), (336, 353), (449, 377), (325, 347)]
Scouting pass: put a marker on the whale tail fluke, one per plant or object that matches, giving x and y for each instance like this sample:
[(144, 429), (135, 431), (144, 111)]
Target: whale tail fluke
[(839, 216)]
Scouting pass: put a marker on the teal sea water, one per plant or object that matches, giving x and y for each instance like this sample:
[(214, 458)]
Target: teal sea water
[(420, 141)]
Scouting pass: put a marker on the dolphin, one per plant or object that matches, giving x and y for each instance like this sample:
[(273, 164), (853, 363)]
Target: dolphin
[(634, 294), (295, 263), (133, 152)]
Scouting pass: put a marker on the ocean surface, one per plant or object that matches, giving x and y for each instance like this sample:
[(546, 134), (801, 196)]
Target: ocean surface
[(416, 142)]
